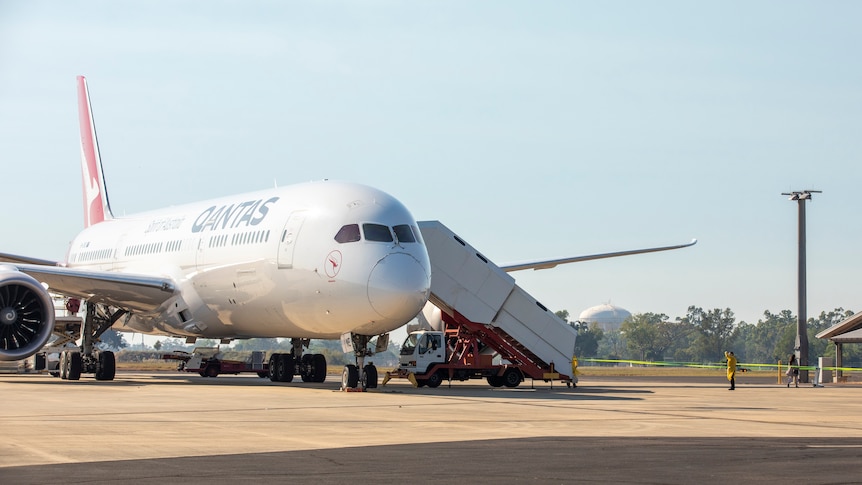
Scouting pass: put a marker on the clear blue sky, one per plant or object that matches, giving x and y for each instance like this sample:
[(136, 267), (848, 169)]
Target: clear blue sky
[(533, 129)]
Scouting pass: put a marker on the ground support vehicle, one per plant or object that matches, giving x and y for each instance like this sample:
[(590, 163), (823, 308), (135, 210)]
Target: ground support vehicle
[(490, 327), (207, 362)]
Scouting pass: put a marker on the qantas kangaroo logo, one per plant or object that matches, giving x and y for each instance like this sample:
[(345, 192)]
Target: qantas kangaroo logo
[(333, 264), (92, 191)]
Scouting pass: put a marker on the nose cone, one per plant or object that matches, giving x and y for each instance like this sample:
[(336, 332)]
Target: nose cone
[(398, 287)]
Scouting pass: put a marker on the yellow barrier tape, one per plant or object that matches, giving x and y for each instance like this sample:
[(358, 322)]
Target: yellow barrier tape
[(716, 365)]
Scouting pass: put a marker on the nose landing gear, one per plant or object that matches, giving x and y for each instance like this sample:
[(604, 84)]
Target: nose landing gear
[(359, 377)]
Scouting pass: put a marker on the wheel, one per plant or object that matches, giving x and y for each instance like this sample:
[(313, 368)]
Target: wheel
[(318, 364), (370, 376), (276, 368), (107, 366), (350, 377), (289, 367), (512, 377), (434, 380), (74, 362), (211, 370), (306, 368), (495, 381), (64, 367), (281, 368)]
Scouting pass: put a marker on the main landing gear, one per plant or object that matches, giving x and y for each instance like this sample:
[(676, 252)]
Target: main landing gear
[(310, 367), (90, 360)]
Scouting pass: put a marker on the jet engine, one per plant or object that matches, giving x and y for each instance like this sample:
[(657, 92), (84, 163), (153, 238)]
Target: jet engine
[(26, 315)]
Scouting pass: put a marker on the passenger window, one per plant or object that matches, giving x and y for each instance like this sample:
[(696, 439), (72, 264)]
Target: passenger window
[(404, 234), (348, 233), (377, 232)]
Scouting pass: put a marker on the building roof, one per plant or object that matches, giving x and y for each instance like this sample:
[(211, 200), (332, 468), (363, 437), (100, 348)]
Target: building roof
[(848, 330)]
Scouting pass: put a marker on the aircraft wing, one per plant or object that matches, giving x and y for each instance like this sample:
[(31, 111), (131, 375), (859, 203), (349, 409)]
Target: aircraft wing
[(14, 258), (550, 263), (122, 290)]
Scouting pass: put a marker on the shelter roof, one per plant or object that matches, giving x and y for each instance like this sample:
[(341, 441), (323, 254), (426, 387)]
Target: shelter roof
[(848, 330)]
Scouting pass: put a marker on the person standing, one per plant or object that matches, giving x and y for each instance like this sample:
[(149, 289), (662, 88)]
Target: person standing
[(731, 369), (792, 371)]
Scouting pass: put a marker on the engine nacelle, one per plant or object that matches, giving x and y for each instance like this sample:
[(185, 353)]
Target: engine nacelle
[(26, 315)]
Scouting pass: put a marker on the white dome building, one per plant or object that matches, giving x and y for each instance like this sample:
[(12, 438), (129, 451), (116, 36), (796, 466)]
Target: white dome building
[(606, 316)]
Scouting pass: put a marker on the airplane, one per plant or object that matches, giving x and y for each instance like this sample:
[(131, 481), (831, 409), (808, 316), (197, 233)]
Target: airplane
[(318, 260), (314, 260)]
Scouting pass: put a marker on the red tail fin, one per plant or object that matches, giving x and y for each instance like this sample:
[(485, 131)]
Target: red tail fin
[(96, 205)]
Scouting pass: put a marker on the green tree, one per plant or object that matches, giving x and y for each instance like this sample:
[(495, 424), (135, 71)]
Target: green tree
[(642, 333), (587, 343), (112, 340), (715, 332), (260, 344), (671, 336), (771, 339), (613, 345), (157, 345)]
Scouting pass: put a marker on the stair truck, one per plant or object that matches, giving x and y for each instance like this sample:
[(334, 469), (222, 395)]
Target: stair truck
[(488, 327)]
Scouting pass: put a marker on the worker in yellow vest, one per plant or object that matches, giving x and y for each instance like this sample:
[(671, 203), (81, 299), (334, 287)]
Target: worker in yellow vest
[(731, 369)]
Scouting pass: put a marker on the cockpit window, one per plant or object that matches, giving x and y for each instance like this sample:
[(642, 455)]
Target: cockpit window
[(404, 234), (377, 232), (348, 233)]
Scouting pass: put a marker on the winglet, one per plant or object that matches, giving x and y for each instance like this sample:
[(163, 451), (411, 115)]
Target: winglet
[(96, 205)]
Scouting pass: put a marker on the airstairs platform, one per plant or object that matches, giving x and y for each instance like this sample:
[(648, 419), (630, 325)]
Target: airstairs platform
[(473, 292)]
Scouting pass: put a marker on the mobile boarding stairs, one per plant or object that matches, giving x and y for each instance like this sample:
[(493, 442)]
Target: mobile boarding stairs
[(480, 300)]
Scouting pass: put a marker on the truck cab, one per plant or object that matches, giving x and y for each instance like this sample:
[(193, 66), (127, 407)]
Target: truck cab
[(421, 350)]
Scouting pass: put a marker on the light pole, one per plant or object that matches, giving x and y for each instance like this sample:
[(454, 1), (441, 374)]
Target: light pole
[(802, 320)]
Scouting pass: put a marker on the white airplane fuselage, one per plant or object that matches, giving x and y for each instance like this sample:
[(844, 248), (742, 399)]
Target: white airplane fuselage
[(314, 260)]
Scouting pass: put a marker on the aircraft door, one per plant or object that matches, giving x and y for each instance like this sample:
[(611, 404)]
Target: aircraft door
[(287, 243)]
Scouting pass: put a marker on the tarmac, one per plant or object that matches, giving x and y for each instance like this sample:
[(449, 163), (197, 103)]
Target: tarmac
[(171, 427)]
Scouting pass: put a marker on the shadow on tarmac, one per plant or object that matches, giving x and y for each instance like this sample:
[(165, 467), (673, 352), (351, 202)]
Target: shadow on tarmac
[(542, 460)]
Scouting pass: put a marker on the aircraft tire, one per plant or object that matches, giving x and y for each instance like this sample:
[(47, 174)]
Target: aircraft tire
[(64, 368), (370, 376), (289, 367), (276, 367), (350, 377), (107, 366), (75, 365), (318, 364), (306, 368)]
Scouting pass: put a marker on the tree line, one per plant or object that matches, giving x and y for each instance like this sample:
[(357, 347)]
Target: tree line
[(702, 336)]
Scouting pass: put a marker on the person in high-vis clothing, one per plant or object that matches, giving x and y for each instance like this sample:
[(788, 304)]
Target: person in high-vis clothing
[(731, 369)]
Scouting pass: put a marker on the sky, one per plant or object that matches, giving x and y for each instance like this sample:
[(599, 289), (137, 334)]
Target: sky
[(534, 130)]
